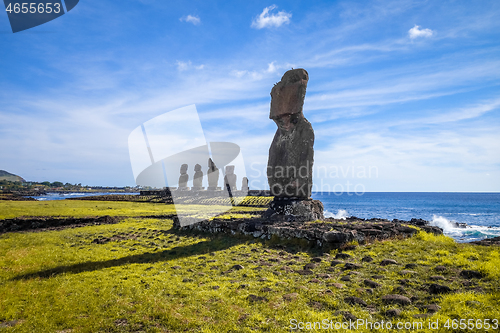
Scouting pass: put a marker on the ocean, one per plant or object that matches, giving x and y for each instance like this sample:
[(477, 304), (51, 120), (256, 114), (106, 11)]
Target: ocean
[(481, 211)]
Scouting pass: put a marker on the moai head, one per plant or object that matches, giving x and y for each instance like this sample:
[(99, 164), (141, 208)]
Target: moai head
[(211, 165), (287, 99), (230, 170), (184, 169), (244, 183), (197, 167)]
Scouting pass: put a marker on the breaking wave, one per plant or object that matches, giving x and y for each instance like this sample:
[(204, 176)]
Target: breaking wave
[(342, 214), (468, 234)]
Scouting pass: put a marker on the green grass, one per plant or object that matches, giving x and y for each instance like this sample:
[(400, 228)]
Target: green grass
[(64, 281), (84, 208)]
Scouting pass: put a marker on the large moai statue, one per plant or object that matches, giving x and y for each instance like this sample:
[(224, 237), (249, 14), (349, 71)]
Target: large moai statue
[(183, 178), (291, 155), (230, 178), (213, 176), (198, 178)]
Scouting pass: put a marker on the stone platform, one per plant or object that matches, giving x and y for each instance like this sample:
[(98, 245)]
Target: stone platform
[(327, 234), (294, 210)]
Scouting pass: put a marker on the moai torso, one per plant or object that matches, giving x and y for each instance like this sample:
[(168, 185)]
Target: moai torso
[(212, 175), (230, 178), (184, 177), (244, 184), (198, 178)]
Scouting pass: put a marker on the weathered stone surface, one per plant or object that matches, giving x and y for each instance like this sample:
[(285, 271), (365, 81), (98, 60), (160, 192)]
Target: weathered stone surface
[(439, 289), (342, 255), (396, 299), (293, 210), (56, 223), (244, 184), (230, 178), (371, 284), (310, 266), (338, 237), (198, 178), (212, 175), (346, 315), (323, 276), (237, 267), (291, 153), (386, 262), (355, 301), (400, 290), (318, 233), (254, 298), (350, 265), (184, 177), (436, 277), (393, 313), (432, 308), (470, 274), (495, 241)]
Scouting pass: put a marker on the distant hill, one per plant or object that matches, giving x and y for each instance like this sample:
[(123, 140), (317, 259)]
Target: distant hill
[(4, 175)]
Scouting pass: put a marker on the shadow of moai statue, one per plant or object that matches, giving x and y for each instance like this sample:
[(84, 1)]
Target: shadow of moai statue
[(244, 184), (198, 178), (230, 178), (289, 168), (213, 176), (183, 178)]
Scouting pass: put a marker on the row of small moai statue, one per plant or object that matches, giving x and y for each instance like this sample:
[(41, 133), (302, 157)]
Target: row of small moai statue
[(213, 178)]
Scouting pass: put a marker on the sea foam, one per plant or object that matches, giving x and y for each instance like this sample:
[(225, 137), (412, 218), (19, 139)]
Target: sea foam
[(342, 214)]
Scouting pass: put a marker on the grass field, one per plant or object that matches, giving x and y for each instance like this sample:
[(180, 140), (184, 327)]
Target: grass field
[(141, 276), (83, 208)]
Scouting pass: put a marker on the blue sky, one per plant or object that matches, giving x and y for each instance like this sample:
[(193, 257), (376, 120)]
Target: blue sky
[(408, 90)]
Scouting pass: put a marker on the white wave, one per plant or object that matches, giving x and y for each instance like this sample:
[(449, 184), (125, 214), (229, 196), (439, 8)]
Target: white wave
[(342, 214), (443, 223), (470, 233)]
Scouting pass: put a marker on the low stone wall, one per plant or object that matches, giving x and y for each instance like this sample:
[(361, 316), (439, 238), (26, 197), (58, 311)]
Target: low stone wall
[(52, 223), (329, 233)]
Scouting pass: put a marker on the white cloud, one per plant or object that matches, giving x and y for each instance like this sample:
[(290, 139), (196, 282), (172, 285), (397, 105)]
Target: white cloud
[(182, 65), (191, 19), (272, 68), (266, 19), (185, 65), (238, 74), (416, 32)]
